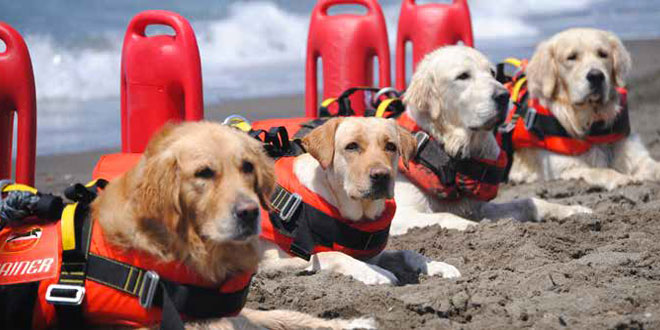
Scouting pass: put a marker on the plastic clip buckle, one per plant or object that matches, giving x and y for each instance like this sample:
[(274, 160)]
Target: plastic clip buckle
[(422, 138), (65, 294), (530, 117), (290, 206), (148, 292)]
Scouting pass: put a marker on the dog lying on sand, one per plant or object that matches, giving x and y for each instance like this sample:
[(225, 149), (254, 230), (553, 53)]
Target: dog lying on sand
[(189, 210), (346, 180), (454, 98), (578, 76)]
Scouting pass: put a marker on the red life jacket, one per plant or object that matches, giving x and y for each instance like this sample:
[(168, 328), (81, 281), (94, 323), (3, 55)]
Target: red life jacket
[(448, 178), (105, 305), (531, 125), (303, 223), (117, 279)]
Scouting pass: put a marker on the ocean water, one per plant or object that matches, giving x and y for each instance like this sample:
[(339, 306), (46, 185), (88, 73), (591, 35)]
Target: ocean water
[(248, 49)]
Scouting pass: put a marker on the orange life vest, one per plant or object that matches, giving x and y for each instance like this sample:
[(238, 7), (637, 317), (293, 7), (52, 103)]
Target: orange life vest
[(106, 303), (531, 125), (448, 178), (303, 223)]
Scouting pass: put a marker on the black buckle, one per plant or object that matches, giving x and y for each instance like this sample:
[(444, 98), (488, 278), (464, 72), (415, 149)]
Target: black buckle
[(530, 117), (290, 206), (422, 138), (148, 291), (507, 127), (65, 294)]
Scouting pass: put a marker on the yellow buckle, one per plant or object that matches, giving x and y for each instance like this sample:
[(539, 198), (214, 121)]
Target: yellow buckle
[(18, 187), (239, 122)]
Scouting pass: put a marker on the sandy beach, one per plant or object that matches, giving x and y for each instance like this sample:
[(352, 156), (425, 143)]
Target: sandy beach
[(589, 271)]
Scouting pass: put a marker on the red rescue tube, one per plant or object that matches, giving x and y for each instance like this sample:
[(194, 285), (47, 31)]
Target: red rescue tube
[(17, 94), (161, 78), (428, 27), (346, 44)]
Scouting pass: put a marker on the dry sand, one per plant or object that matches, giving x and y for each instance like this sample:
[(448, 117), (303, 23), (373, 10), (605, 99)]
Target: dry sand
[(587, 272)]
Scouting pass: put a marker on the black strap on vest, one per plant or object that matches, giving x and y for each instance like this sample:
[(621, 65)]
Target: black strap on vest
[(67, 295), (307, 127), (173, 298), (544, 125), (276, 142), (431, 154), (310, 227), (79, 265)]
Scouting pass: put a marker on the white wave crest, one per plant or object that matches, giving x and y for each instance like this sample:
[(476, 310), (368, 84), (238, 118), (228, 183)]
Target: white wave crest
[(252, 38)]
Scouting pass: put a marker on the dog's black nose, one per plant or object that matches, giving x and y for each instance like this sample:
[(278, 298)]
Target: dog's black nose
[(501, 98), (246, 210), (595, 77), (379, 176)]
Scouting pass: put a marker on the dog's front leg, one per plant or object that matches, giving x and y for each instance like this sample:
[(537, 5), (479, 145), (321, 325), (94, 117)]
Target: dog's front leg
[(605, 178), (631, 157), (530, 209), (409, 218), (344, 264), (406, 260)]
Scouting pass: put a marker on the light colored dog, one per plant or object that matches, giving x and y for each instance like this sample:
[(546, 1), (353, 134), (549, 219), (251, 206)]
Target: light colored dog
[(352, 163), (454, 97), (574, 75), (194, 197)]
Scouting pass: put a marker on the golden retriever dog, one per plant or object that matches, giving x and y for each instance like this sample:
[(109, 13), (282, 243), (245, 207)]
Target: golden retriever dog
[(352, 164), (574, 75), (194, 197), (454, 97)]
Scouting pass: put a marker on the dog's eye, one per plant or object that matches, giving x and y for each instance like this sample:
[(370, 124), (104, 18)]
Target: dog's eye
[(572, 57), (205, 173), (602, 54), (247, 167), (352, 146), (492, 73), (389, 146), (463, 76)]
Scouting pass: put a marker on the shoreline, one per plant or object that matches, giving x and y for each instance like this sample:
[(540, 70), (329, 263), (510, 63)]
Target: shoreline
[(55, 172)]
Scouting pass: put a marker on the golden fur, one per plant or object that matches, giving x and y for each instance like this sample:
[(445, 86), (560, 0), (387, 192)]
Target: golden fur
[(177, 203), (557, 75), (343, 155), (454, 97)]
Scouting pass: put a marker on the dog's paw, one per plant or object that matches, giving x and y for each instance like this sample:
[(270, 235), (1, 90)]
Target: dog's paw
[(371, 276), (444, 269), (568, 211), (616, 181), (361, 323), (346, 265)]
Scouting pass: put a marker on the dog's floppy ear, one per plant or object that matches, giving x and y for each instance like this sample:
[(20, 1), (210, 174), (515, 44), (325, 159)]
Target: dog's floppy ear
[(265, 176), (622, 62), (408, 145), (320, 142), (157, 184), (542, 72), (420, 92)]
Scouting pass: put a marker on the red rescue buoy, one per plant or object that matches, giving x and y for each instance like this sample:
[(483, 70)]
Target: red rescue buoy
[(346, 44), (161, 78), (428, 27), (17, 94)]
